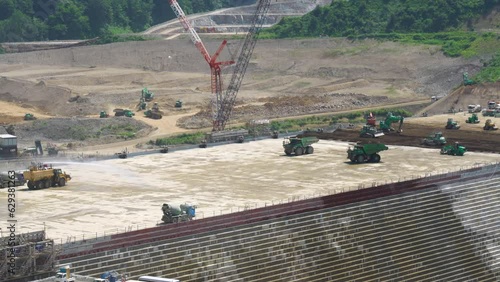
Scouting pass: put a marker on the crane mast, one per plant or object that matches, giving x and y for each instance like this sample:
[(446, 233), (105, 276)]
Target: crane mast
[(215, 67), (229, 99)]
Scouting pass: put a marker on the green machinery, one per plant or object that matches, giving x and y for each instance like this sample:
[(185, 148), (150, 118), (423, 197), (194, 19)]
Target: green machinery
[(29, 116), (299, 145), (489, 125), (361, 153), (175, 214), (451, 124), (467, 80), (386, 125), (454, 150), (435, 139), (103, 114), (147, 95), (370, 131), (178, 104), (472, 119), (123, 112), (142, 104)]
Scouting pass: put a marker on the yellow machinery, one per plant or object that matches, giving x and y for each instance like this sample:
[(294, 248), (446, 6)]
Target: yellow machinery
[(489, 125), (44, 176)]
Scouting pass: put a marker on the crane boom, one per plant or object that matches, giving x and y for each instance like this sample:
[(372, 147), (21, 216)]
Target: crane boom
[(179, 13), (226, 107)]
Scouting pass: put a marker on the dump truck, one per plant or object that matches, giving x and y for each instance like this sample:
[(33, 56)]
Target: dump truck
[(361, 153), (123, 112), (152, 114), (45, 176), (489, 125), (177, 213), (29, 116), (451, 124), (454, 150), (370, 131), (298, 145), (472, 119), (435, 139)]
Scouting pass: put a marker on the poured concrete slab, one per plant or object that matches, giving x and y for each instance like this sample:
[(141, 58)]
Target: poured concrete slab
[(123, 194)]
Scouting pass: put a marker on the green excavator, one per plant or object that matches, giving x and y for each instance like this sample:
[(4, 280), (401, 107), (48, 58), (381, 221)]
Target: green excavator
[(467, 80), (386, 125)]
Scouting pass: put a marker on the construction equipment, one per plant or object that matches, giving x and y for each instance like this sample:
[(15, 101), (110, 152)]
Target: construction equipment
[(386, 125), (164, 150), (371, 120), (123, 112), (468, 81), (108, 276), (451, 124), (175, 214), (203, 143), (103, 114), (240, 139), (370, 131), (472, 119), (474, 108), (64, 275), (299, 145), (44, 176), (123, 154), (52, 149), (147, 95), (361, 153), (454, 150), (274, 134), (178, 104), (29, 116), (435, 139), (489, 125), (153, 114), (142, 104)]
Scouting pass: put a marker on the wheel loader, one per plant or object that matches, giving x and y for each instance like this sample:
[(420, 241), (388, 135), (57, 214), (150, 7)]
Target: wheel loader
[(451, 124), (489, 125), (435, 139), (472, 119), (361, 153)]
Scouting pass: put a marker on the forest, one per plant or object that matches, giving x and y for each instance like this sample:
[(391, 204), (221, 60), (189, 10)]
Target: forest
[(36, 20)]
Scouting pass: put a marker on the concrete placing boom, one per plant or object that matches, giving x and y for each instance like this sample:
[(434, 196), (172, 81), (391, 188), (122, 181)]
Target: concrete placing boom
[(224, 111), (215, 67)]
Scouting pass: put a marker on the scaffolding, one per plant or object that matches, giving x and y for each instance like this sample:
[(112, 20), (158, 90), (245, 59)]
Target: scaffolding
[(29, 255)]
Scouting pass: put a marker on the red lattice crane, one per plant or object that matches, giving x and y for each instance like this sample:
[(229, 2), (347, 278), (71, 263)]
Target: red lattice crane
[(227, 105), (215, 67)]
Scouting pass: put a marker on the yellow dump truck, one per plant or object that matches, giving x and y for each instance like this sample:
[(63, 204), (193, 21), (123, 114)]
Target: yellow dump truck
[(44, 176)]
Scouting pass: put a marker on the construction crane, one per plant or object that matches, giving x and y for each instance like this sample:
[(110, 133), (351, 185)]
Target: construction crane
[(226, 107), (215, 67)]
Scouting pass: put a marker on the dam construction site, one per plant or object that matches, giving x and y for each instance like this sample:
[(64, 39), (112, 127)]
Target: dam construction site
[(311, 159)]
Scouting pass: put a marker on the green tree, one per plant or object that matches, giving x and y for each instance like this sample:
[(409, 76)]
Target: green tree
[(139, 13), (19, 27), (100, 14), (7, 8), (69, 21)]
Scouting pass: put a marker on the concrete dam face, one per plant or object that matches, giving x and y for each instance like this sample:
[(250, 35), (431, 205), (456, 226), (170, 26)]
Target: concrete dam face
[(439, 228)]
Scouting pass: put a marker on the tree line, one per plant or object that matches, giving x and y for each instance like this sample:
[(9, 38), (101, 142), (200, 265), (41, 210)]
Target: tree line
[(35, 20), (355, 17)]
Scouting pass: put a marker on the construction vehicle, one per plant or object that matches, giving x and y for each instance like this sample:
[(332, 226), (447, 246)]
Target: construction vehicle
[(203, 143), (274, 134), (474, 108), (142, 105), (45, 176), (175, 214), (147, 95), (152, 114), (361, 153), (370, 131), (371, 120), (178, 104), (299, 145), (108, 276), (29, 116), (386, 125), (454, 150), (11, 179), (123, 154), (52, 149), (164, 150), (489, 125), (435, 139), (472, 119), (451, 124), (240, 139), (467, 80), (123, 112), (103, 114), (64, 275)]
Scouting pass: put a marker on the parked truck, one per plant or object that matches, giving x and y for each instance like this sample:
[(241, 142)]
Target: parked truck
[(361, 153), (45, 176), (299, 145)]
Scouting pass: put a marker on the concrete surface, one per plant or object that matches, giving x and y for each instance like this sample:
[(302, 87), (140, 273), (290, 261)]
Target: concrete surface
[(118, 195)]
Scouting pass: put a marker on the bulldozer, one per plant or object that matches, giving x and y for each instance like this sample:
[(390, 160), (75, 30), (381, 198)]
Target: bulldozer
[(370, 131), (472, 119), (453, 150), (386, 125), (467, 80), (29, 116), (451, 124), (103, 114), (147, 95), (435, 139), (178, 104), (489, 125)]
